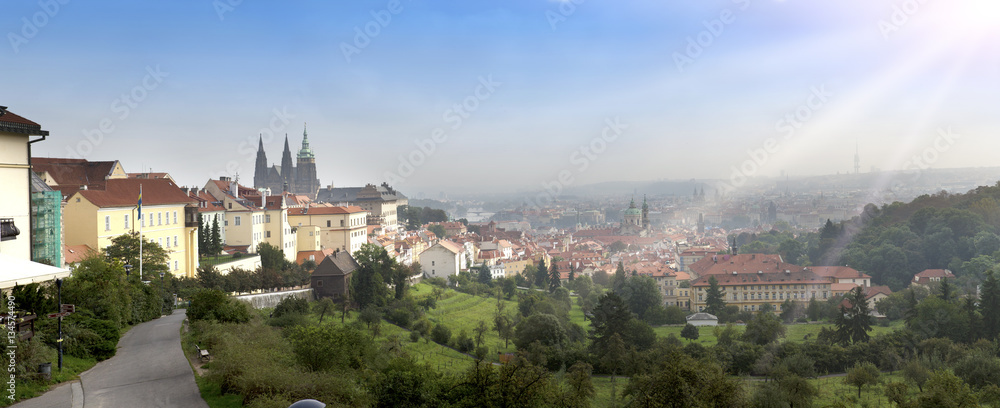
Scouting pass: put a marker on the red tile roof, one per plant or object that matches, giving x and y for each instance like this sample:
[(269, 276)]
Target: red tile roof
[(12, 122), (935, 273), (125, 193), (70, 174), (743, 263)]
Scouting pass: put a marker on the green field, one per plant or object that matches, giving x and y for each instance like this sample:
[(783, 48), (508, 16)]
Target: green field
[(459, 311)]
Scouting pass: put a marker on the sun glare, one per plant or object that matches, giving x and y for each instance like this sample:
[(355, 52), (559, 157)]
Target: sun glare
[(970, 17)]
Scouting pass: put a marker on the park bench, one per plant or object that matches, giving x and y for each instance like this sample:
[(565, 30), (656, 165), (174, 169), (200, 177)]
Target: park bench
[(203, 354)]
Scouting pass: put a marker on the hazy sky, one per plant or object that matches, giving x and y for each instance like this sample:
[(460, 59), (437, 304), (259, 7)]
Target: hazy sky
[(187, 86)]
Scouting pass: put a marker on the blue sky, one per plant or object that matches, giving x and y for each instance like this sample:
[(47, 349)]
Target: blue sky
[(892, 75)]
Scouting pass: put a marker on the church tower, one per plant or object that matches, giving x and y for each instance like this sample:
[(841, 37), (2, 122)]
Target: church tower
[(645, 213), (260, 168), (287, 168), (306, 181)]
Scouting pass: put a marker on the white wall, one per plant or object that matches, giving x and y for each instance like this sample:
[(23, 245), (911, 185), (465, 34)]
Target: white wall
[(439, 262), (16, 193)]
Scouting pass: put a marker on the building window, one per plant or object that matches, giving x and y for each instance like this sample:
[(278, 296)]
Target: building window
[(329, 224), (107, 223), (175, 217), (168, 243), (159, 218), (230, 206), (176, 266), (432, 263), (160, 241), (267, 218), (175, 240), (237, 220), (126, 221), (269, 234), (341, 223)]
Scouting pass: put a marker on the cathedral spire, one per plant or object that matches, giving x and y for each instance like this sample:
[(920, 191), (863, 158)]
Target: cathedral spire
[(305, 152), (260, 168)]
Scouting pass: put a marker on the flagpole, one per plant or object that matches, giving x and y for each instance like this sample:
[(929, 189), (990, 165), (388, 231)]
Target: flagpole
[(140, 232)]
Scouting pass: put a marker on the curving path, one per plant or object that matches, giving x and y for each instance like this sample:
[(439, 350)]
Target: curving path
[(149, 370)]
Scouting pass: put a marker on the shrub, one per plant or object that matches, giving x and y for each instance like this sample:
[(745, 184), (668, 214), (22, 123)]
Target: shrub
[(414, 336), (291, 305), (215, 305), (441, 334), (463, 342)]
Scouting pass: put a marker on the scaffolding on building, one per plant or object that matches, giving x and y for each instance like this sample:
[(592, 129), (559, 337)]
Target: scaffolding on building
[(46, 218)]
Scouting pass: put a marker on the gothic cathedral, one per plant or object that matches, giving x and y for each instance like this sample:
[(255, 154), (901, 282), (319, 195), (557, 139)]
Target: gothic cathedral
[(297, 179)]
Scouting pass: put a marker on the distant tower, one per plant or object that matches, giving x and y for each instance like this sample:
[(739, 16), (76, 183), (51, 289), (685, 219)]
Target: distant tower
[(701, 224), (287, 168), (260, 168), (857, 158), (645, 213), (305, 177)]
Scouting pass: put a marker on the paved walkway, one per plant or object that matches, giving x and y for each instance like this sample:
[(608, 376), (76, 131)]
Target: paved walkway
[(149, 370)]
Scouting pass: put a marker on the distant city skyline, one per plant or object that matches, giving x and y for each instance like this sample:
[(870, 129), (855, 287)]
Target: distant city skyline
[(509, 95)]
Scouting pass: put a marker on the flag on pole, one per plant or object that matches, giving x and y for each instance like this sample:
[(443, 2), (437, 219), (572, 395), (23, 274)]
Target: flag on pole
[(140, 203)]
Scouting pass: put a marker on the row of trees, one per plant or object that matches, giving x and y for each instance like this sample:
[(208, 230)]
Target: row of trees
[(209, 239)]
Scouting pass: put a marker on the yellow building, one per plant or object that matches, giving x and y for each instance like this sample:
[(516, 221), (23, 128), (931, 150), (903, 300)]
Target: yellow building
[(94, 217), (344, 228), (751, 280)]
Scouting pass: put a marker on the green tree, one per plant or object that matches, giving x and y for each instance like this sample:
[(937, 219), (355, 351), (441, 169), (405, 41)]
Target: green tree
[(690, 332), (610, 317), (914, 371), (947, 291), (543, 328), (642, 295), (484, 276), (368, 283), (202, 236), (215, 241), (945, 390), (125, 248), (854, 323), (989, 306), (764, 329), (438, 230), (541, 275), (554, 278), (580, 388), (617, 246), (679, 381), (862, 375), (814, 310), (613, 358), (714, 298)]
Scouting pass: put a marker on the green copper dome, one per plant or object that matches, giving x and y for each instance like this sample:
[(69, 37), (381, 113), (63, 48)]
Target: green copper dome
[(632, 210), (305, 152)]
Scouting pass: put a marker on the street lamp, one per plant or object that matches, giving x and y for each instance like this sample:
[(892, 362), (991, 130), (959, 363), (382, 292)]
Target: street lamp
[(128, 269)]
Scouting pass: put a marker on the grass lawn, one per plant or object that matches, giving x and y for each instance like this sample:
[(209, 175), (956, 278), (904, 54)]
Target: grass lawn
[(211, 260), (459, 311), (72, 367), (834, 392)]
